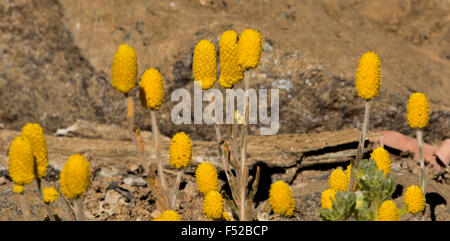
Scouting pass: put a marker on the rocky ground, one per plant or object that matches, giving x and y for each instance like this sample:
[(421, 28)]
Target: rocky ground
[(55, 69), (118, 189)]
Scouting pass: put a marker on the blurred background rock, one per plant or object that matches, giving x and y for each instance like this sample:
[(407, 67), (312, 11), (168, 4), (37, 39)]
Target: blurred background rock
[(56, 57)]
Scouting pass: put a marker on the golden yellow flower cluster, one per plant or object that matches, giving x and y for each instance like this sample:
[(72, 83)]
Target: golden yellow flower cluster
[(21, 163), (230, 71), (206, 178), (50, 194), (204, 66), (327, 196), (35, 134), (418, 110), (381, 157), (180, 150), (124, 69), (415, 199), (388, 211), (250, 46), (74, 177), (368, 76), (213, 205), (281, 200), (168, 215), (152, 89), (338, 180)]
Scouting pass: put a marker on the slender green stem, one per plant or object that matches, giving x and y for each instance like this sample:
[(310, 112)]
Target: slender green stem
[(360, 150)]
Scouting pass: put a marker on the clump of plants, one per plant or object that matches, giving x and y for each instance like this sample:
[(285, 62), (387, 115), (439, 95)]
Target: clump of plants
[(28, 162), (364, 191)]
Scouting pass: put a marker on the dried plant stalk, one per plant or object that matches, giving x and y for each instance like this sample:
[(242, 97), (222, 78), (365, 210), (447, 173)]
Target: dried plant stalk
[(23, 206), (47, 205), (79, 213), (161, 197), (132, 130), (243, 170), (419, 134), (155, 131), (362, 140), (67, 209), (175, 189)]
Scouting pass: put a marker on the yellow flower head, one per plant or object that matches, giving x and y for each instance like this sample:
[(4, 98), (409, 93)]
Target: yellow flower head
[(180, 150), (368, 76), (206, 178), (418, 110), (213, 205), (415, 199), (381, 157), (124, 69), (168, 215), (204, 66), (281, 200), (21, 162), (327, 196), (50, 194), (338, 180), (230, 71), (388, 211), (152, 89), (74, 177), (18, 188), (35, 135), (250, 45)]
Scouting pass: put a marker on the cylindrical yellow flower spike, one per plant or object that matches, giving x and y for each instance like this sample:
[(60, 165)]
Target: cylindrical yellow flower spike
[(388, 211), (168, 215), (281, 200), (152, 89), (206, 178), (204, 66), (230, 71), (74, 177), (21, 163), (124, 69), (368, 76), (50, 194), (418, 110), (35, 135), (415, 199), (213, 205), (250, 46), (180, 150), (338, 180), (381, 157), (327, 196)]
